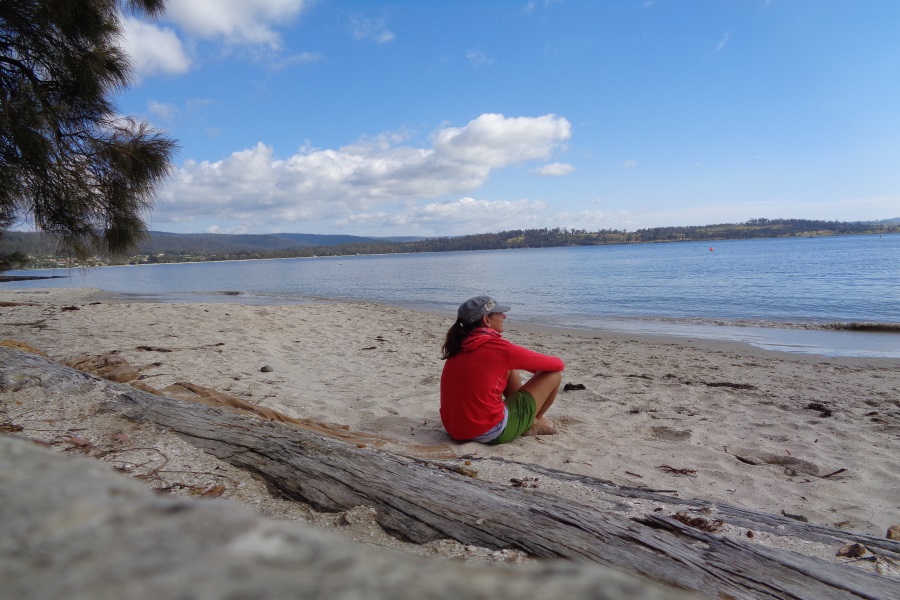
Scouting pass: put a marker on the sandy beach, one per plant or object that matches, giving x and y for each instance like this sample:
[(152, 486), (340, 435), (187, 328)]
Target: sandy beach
[(804, 436)]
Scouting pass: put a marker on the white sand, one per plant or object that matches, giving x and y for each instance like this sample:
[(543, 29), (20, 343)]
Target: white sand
[(651, 407)]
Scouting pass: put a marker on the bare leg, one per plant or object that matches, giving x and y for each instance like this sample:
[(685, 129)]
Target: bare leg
[(513, 383), (543, 386)]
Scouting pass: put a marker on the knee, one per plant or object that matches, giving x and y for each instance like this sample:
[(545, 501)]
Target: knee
[(554, 377)]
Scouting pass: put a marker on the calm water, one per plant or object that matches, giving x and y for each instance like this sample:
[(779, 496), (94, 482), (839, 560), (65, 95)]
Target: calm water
[(786, 294)]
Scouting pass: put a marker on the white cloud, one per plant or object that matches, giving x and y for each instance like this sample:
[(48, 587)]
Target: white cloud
[(630, 164), (722, 43), (302, 58), (591, 220), (200, 102), (468, 209), (251, 24), (843, 209), (457, 217), (531, 6), (554, 169), (254, 188), (162, 110), (479, 58), (368, 29), (231, 230), (154, 49), (495, 141), (236, 21)]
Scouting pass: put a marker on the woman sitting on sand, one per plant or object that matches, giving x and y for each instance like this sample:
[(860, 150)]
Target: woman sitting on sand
[(482, 396)]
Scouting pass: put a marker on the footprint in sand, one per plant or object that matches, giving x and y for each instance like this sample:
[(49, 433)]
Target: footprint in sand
[(669, 434), (758, 457)]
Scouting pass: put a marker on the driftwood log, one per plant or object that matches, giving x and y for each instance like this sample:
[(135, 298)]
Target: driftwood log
[(421, 502), (72, 528)]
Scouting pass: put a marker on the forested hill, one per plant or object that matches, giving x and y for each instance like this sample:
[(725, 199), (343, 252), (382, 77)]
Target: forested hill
[(196, 245), (171, 247)]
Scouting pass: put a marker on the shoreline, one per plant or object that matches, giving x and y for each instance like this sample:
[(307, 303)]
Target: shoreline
[(706, 344), (701, 334), (699, 339)]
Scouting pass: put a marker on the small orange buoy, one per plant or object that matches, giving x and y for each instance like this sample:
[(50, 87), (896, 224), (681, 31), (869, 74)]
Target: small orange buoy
[(710, 248)]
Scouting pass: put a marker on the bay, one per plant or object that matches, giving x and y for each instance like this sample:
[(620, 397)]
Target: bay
[(789, 294)]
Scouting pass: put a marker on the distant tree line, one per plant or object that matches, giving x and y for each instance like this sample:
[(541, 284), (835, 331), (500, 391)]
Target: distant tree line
[(758, 228), (39, 248)]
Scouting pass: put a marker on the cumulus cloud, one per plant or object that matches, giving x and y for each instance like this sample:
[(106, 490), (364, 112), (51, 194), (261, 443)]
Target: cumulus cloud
[(236, 21), (630, 164), (456, 217), (255, 188), (249, 24), (554, 169), (592, 220), (493, 140), (154, 49)]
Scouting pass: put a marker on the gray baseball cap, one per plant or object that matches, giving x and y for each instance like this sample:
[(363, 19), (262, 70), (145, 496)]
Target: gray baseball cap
[(474, 308)]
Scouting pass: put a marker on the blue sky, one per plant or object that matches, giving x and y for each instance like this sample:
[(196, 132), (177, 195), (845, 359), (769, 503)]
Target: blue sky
[(456, 117)]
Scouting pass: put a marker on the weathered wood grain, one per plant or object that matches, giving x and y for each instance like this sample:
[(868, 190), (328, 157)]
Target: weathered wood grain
[(734, 515)]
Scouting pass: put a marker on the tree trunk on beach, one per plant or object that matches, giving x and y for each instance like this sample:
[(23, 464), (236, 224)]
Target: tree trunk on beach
[(423, 500)]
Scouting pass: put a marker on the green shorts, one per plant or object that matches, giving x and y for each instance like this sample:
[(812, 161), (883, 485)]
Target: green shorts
[(522, 408)]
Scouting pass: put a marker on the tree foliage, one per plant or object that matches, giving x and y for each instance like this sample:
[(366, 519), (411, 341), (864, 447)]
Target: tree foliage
[(69, 163)]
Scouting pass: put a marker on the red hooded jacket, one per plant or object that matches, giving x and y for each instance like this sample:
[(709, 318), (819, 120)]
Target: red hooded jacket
[(473, 381)]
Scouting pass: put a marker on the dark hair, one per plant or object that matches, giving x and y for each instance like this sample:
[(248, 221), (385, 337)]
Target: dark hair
[(456, 335)]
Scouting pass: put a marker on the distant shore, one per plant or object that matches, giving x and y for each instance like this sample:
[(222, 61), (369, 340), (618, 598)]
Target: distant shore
[(191, 248)]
